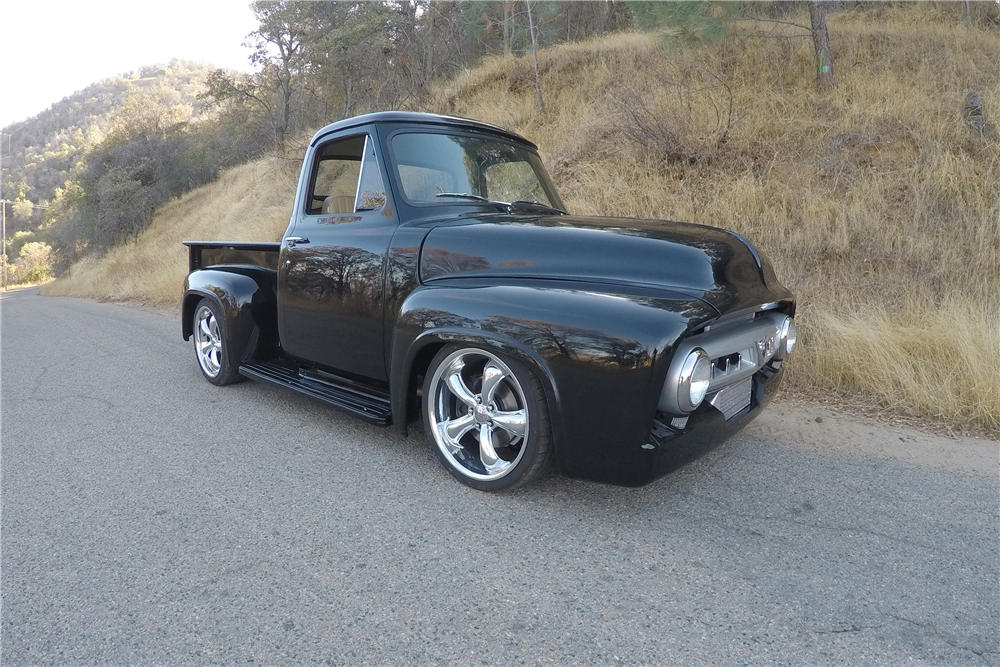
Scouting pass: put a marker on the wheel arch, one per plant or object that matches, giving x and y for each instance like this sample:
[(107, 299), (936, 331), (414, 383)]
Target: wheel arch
[(409, 371), (246, 298)]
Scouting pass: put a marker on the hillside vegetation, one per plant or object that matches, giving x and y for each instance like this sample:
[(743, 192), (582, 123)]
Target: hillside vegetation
[(86, 174), (876, 204), (251, 202), (41, 153)]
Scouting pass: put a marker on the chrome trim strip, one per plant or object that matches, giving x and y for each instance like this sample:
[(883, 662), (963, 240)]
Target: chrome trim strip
[(756, 342)]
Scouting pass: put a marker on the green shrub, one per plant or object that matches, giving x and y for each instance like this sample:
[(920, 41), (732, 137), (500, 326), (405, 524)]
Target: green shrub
[(34, 264)]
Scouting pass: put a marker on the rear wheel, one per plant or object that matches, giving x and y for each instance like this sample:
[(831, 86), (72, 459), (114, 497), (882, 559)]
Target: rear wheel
[(487, 418), (211, 345)]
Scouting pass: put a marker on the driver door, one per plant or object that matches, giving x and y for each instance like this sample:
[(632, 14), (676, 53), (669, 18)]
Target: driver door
[(331, 277)]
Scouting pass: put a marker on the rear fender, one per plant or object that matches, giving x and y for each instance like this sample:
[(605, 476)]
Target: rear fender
[(246, 295)]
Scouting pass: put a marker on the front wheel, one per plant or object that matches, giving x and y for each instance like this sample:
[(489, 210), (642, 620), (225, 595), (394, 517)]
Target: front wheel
[(487, 418), (211, 344)]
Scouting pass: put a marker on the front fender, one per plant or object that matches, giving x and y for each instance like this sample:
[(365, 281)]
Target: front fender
[(601, 356), (247, 298)]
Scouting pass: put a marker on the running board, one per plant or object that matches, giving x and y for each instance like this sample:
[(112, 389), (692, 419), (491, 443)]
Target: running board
[(372, 408)]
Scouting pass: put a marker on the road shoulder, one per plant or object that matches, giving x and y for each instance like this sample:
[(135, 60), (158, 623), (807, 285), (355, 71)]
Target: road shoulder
[(811, 426)]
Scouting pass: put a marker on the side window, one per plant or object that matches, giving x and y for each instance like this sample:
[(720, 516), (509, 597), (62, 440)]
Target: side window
[(345, 178), (371, 192)]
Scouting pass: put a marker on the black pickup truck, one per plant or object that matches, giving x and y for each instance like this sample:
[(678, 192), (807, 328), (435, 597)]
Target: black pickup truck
[(430, 271)]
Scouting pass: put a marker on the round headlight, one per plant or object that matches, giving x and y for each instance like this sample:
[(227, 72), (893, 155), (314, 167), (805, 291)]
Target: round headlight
[(696, 374), (787, 337)]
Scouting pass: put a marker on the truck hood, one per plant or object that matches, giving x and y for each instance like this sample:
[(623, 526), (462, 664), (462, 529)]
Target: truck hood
[(707, 263)]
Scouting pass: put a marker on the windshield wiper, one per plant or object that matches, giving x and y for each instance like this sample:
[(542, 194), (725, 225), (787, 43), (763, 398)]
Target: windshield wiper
[(536, 206), (532, 206), (465, 195)]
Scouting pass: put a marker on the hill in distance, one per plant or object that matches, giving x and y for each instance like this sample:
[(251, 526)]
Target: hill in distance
[(41, 152)]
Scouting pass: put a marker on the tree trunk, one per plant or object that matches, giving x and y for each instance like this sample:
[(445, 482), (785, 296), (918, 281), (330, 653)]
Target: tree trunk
[(821, 45), (286, 111), (508, 16), (611, 18), (534, 54), (968, 13), (348, 98), (429, 47)]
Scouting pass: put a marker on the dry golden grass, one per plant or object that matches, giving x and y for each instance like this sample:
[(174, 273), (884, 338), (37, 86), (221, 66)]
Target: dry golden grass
[(922, 361), (874, 202), (249, 203)]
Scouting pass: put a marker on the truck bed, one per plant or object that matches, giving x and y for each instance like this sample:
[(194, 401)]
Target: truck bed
[(204, 254)]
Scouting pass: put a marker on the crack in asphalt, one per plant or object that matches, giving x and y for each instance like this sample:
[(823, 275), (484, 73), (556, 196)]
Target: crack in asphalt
[(852, 628), (944, 637), (730, 513), (38, 395), (62, 399), (36, 385), (204, 585)]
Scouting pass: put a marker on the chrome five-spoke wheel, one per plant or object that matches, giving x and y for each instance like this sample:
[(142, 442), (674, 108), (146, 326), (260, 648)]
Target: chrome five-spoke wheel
[(487, 418), (208, 341), (210, 344)]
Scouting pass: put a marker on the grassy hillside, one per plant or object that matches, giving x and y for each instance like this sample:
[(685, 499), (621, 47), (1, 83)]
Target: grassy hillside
[(251, 202), (875, 203)]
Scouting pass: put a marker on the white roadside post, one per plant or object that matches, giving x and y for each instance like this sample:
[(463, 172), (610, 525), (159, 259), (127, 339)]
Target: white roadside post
[(3, 249)]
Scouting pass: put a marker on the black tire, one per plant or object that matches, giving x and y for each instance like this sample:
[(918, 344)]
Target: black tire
[(471, 395), (212, 346)]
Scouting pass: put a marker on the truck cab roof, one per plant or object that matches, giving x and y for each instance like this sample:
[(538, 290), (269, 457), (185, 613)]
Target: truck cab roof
[(416, 117)]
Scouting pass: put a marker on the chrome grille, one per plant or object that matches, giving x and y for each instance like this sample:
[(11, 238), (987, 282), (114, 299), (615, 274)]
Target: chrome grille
[(738, 347), (733, 399), (731, 364)]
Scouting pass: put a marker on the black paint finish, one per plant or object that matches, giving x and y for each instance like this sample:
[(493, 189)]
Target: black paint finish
[(247, 296), (594, 306), (704, 262)]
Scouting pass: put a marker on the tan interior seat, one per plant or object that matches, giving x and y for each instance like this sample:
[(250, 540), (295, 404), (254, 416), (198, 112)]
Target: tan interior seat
[(338, 204)]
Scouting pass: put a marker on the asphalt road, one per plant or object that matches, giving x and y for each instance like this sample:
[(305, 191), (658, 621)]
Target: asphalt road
[(151, 518)]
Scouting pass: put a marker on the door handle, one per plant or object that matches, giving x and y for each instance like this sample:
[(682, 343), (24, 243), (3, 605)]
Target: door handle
[(295, 240)]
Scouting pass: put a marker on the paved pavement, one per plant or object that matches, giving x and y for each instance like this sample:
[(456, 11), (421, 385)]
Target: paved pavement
[(151, 518)]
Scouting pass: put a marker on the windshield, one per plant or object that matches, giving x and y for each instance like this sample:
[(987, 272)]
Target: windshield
[(432, 166)]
